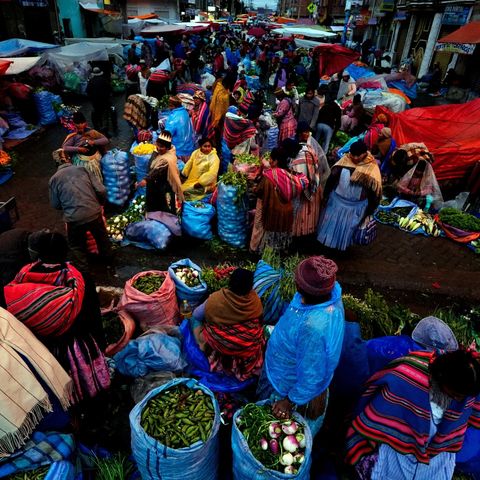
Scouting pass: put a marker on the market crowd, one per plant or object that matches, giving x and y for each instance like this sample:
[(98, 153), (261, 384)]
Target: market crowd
[(205, 102)]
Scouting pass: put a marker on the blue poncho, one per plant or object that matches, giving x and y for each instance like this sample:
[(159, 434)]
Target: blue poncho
[(305, 348), (180, 126)]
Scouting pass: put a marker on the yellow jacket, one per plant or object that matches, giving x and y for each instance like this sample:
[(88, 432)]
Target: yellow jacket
[(219, 104), (202, 169)]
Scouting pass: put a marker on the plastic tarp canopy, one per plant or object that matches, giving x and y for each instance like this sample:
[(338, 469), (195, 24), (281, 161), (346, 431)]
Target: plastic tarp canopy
[(304, 31), (158, 29), (19, 46), (20, 64), (121, 41), (334, 58), (83, 52), (451, 133), (469, 33)]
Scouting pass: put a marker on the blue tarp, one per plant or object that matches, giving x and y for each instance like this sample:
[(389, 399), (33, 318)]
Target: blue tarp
[(19, 46)]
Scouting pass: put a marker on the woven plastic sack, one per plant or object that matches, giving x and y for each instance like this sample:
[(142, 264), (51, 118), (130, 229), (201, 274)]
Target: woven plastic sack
[(116, 176), (226, 157), (155, 310), (272, 138), (196, 220), (247, 467), (194, 295), (141, 168), (156, 461), (44, 101), (148, 234), (266, 282), (251, 171), (154, 352), (232, 216)]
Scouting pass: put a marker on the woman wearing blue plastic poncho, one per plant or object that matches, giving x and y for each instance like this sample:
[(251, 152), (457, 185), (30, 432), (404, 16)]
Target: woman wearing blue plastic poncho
[(305, 345), (180, 126)]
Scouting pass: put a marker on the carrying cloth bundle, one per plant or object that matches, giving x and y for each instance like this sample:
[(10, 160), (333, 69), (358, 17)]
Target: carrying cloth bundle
[(46, 302), (237, 129), (233, 328), (23, 398)]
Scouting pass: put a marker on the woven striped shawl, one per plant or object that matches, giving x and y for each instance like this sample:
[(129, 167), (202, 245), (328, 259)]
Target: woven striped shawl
[(237, 130), (395, 410), (46, 302)]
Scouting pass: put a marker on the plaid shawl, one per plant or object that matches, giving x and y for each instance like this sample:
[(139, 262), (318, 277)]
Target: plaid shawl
[(306, 162), (286, 184), (46, 302), (237, 130), (395, 410)]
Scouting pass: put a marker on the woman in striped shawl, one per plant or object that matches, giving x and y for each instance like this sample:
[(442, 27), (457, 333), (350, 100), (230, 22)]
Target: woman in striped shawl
[(412, 418), (200, 115), (272, 226)]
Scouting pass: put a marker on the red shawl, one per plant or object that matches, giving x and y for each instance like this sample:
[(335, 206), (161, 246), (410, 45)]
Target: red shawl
[(237, 130), (46, 302)]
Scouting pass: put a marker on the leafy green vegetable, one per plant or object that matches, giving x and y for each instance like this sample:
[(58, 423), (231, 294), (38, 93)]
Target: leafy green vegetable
[(461, 220), (247, 158), (117, 467), (235, 179)]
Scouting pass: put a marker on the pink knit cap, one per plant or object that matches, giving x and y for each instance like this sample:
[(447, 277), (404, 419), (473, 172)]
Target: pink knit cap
[(316, 276)]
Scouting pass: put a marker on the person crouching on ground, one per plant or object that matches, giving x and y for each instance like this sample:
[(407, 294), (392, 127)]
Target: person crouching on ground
[(304, 348), (228, 327)]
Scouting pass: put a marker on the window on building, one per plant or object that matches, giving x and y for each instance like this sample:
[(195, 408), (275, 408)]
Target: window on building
[(162, 13), (132, 12)]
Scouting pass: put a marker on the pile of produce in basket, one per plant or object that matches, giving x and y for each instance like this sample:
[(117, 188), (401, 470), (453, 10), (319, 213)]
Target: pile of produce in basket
[(189, 276), (278, 445), (149, 283), (179, 417), (112, 327), (144, 149), (117, 224), (461, 220)]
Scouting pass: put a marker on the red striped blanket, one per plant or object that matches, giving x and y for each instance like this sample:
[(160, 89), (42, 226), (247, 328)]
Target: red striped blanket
[(46, 302), (237, 130)]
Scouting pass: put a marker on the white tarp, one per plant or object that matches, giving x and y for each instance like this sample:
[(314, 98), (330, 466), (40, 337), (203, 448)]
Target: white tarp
[(82, 53), (121, 41), (21, 64), (304, 31)]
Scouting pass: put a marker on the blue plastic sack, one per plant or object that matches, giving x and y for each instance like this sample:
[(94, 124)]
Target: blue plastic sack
[(155, 352), (194, 295), (62, 470), (272, 138), (266, 282), (247, 467), (141, 168), (196, 220), (158, 462), (116, 176), (148, 234), (232, 216), (44, 101), (198, 365)]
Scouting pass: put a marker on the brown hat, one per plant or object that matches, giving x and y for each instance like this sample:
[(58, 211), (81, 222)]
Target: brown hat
[(199, 94), (316, 276)]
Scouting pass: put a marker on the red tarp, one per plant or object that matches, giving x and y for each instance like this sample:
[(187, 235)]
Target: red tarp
[(4, 64), (469, 33), (334, 58), (451, 133)]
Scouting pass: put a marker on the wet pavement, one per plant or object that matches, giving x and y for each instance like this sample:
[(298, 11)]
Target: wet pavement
[(421, 272)]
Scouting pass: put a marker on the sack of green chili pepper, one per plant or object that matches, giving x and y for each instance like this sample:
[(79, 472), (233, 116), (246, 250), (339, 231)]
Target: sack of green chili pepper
[(185, 415), (150, 298), (265, 448)]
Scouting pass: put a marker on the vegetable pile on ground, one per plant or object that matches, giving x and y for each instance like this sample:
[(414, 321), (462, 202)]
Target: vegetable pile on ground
[(112, 327), (117, 224), (278, 445), (247, 158), (149, 283), (218, 277), (461, 220), (377, 318), (393, 215), (420, 220), (144, 149), (235, 179), (37, 474), (189, 276), (179, 417)]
